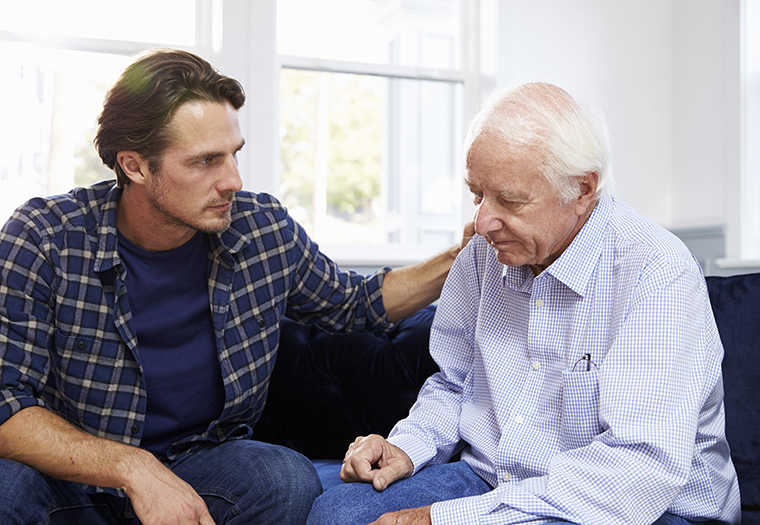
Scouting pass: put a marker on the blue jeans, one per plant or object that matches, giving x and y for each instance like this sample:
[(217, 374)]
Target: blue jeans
[(240, 481), (360, 503)]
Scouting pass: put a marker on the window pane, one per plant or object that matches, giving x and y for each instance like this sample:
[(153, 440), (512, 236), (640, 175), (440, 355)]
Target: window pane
[(404, 32), (51, 103), (371, 160), (164, 22)]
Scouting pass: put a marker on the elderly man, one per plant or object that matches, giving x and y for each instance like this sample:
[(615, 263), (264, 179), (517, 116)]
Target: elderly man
[(580, 362), (139, 320)]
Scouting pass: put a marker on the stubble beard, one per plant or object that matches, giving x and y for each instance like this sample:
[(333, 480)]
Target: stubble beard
[(158, 202)]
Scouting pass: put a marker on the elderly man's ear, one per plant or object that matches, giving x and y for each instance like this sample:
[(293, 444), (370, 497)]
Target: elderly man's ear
[(587, 196)]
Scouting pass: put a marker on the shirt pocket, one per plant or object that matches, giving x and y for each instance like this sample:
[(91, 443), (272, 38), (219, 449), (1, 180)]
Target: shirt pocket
[(248, 357), (580, 408), (88, 371)]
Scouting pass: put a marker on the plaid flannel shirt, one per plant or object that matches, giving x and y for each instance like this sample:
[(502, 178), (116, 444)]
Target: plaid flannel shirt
[(66, 337)]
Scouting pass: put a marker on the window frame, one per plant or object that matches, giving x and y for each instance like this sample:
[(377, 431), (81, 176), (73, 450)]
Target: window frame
[(239, 37), (476, 75), (749, 241)]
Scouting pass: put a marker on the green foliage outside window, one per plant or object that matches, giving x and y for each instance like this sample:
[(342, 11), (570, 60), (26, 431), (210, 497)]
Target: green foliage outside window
[(331, 134)]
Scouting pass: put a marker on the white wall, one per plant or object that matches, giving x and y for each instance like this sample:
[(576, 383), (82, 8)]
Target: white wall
[(666, 75), (706, 117)]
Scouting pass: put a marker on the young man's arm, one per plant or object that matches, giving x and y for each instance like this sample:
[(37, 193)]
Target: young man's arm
[(411, 288), (44, 441)]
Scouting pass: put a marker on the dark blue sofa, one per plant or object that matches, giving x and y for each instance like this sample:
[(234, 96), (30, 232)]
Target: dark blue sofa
[(329, 388)]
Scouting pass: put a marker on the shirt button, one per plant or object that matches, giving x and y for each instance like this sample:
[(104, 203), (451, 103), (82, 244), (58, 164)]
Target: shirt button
[(135, 429), (507, 476), (536, 365), (518, 419), (539, 302)]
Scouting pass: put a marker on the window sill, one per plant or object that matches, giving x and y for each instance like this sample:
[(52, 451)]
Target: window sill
[(379, 255), (734, 264)]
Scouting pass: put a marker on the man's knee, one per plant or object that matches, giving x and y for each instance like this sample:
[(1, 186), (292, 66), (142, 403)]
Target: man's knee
[(18, 482), (293, 473), (349, 504), (27, 495), (254, 481), (286, 486)]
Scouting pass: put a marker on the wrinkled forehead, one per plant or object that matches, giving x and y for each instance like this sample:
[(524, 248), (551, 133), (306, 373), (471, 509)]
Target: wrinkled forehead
[(499, 147)]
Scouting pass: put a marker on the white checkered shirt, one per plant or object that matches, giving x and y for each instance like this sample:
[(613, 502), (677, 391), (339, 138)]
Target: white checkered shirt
[(639, 434)]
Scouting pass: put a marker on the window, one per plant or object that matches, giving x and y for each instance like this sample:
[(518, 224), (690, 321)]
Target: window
[(371, 160), (355, 110), (47, 20), (50, 103), (372, 112), (54, 71)]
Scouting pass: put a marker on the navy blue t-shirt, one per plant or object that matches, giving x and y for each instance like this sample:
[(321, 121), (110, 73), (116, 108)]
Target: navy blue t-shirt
[(168, 294)]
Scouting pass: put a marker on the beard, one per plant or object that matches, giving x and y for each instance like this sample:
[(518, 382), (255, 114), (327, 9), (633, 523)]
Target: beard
[(159, 200)]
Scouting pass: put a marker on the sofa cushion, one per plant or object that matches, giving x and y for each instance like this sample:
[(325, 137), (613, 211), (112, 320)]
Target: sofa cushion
[(326, 389), (736, 305)]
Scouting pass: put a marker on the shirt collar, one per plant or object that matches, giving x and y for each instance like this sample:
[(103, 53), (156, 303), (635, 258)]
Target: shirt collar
[(575, 266), (106, 256), (233, 239), (230, 241)]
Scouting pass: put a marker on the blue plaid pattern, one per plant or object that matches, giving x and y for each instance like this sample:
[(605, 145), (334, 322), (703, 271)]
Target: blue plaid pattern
[(66, 339), (623, 440)]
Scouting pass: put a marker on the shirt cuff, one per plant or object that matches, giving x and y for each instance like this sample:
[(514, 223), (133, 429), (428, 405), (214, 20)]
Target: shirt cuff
[(461, 511), (417, 450)]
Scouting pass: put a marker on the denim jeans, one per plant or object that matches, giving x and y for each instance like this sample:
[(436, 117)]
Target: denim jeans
[(240, 481), (360, 503)]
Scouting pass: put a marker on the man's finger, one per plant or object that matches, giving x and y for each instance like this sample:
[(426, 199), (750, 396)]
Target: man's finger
[(356, 468), (387, 475)]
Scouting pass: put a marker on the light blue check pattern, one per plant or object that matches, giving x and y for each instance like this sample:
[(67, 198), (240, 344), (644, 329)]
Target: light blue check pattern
[(66, 337), (640, 435)]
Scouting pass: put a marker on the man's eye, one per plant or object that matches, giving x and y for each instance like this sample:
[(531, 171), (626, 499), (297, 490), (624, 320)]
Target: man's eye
[(477, 197), (512, 205)]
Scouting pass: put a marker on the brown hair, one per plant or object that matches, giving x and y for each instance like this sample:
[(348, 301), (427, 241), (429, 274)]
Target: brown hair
[(139, 107)]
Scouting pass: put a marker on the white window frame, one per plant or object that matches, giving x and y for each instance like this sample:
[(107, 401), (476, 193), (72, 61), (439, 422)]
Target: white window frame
[(207, 43), (750, 131), (208, 39), (252, 30), (239, 37)]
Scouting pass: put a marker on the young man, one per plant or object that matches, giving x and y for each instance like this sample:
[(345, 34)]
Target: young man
[(139, 320), (580, 362)]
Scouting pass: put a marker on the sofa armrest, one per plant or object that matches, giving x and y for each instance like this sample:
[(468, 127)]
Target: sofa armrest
[(736, 305)]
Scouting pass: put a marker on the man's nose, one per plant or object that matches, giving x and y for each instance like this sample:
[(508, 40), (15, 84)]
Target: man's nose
[(485, 218), (231, 180)]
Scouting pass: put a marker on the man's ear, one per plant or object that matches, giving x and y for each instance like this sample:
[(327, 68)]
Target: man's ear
[(133, 165), (587, 184)]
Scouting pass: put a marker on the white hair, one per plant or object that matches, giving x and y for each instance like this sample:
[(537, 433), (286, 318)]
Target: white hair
[(572, 141)]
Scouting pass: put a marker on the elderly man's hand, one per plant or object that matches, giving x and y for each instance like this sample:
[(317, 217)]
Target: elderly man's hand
[(418, 516), (373, 460)]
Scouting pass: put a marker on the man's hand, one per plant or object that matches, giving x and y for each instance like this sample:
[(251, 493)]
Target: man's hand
[(160, 497), (418, 516), (408, 289), (46, 442), (467, 234), (373, 460)]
